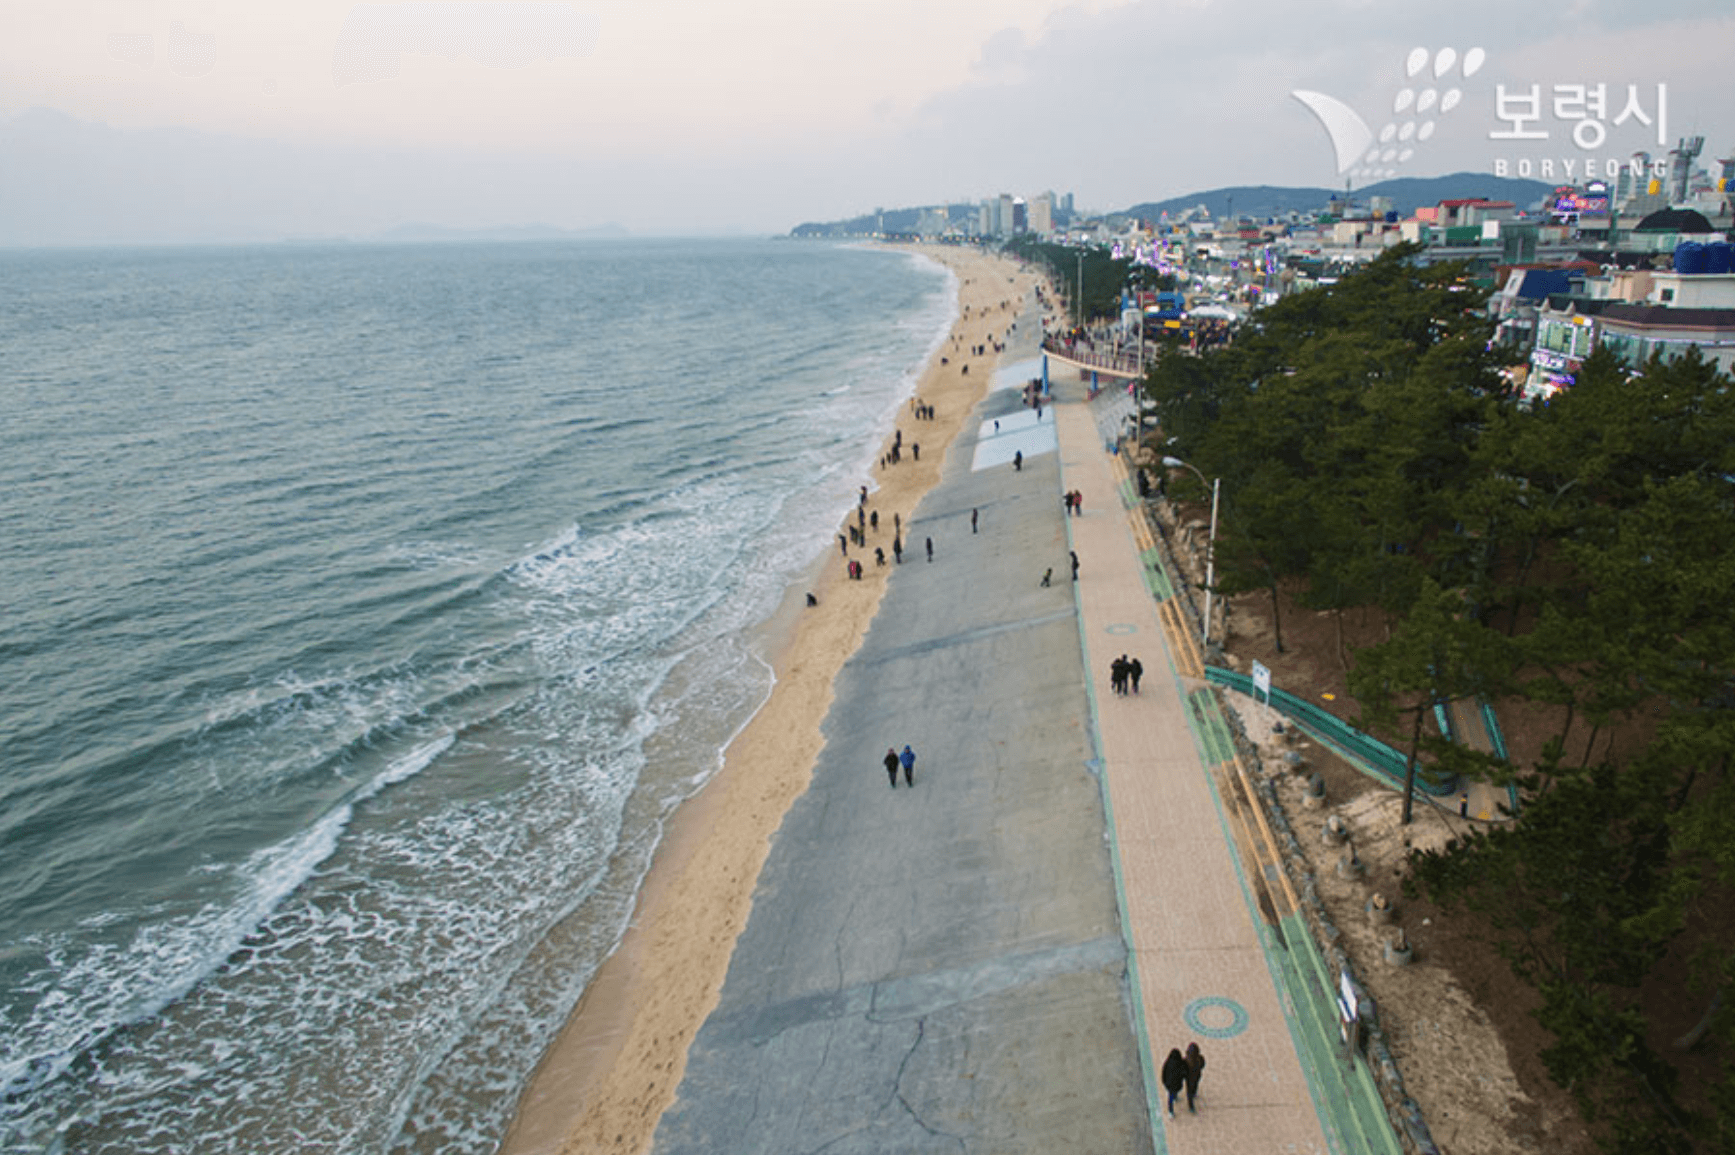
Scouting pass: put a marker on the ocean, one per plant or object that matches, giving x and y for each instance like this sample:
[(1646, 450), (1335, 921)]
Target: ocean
[(367, 610)]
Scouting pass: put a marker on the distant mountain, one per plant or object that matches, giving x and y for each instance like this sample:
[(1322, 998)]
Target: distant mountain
[(426, 234), (1257, 201), (887, 221), (1407, 195), (66, 181)]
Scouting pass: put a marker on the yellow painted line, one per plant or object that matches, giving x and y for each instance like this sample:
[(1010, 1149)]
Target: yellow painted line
[(1181, 645), (1268, 840)]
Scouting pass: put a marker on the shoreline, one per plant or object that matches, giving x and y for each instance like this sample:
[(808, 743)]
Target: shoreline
[(616, 1065)]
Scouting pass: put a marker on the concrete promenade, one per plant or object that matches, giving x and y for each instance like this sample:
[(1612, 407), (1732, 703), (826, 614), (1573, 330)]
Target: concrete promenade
[(940, 968), (998, 959)]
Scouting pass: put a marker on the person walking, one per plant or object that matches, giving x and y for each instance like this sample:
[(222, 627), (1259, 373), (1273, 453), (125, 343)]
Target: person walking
[(1174, 1076), (1074, 554), (1195, 1067), (1135, 670), (1018, 461), (908, 759), (973, 520), (892, 766), (930, 543)]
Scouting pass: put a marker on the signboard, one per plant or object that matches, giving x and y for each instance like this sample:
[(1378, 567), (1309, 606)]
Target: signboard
[(1348, 1014), (1262, 681)]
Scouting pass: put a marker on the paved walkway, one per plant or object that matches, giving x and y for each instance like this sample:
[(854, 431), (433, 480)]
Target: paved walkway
[(1203, 916), (949, 968), (940, 968)]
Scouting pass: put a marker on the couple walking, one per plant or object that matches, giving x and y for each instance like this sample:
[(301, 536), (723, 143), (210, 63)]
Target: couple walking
[(1124, 670), (907, 760), (1183, 1071)]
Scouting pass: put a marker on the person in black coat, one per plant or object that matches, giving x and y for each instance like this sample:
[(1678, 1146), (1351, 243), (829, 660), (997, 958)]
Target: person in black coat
[(1195, 1067), (892, 766), (1174, 1076)]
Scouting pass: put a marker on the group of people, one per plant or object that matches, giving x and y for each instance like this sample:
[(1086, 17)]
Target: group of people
[(1074, 502), (1124, 671), (921, 409), (1183, 1071), (895, 454), (906, 760), (857, 528)]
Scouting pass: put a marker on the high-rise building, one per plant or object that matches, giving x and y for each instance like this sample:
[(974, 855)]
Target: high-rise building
[(1681, 159), (1003, 215), (1042, 214), (1020, 216)]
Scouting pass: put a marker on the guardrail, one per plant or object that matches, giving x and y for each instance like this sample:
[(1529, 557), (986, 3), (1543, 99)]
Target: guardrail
[(1499, 743), (1128, 367), (1366, 751)]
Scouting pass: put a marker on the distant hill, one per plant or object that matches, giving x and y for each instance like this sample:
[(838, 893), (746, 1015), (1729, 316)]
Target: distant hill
[(426, 233), (1258, 201), (1407, 195), (888, 221)]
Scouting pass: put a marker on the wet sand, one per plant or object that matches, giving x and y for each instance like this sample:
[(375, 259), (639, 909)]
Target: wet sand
[(616, 1066)]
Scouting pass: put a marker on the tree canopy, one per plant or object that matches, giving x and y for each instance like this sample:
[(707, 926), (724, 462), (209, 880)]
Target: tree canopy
[(1580, 556)]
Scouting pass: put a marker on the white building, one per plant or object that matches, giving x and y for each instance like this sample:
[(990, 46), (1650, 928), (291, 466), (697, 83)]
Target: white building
[(1042, 213)]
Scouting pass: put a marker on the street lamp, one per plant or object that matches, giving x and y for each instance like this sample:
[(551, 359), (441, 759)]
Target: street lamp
[(1078, 306), (1216, 485)]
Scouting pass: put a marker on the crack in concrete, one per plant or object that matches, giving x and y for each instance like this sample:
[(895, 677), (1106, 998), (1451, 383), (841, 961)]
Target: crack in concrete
[(898, 1091), (966, 637), (835, 1140)]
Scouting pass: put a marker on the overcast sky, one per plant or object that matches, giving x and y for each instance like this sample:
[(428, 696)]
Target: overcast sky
[(236, 119)]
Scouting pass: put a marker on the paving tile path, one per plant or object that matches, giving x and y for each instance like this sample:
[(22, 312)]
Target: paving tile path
[(1200, 968)]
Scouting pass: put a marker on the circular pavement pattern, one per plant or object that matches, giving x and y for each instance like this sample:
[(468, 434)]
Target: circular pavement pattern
[(1216, 1018), (1120, 628)]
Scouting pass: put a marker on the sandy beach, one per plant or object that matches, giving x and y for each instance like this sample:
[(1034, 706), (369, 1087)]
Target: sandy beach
[(616, 1067)]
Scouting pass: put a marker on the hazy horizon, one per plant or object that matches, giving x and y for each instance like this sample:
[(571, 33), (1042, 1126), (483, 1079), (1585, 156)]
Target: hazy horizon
[(162, 121)]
